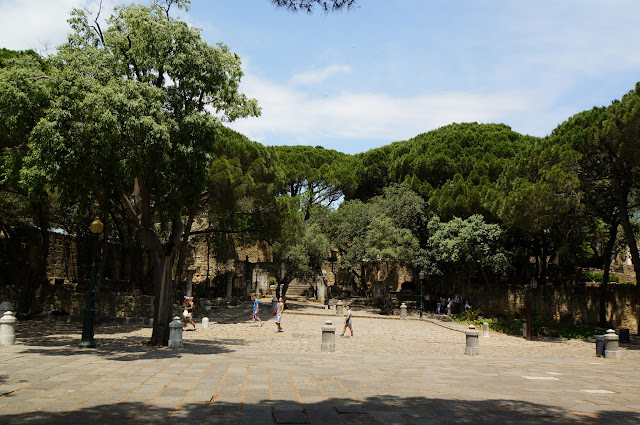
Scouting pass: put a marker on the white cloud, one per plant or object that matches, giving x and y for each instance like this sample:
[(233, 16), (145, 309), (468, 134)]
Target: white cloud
[(36, 24), (320, 75), (292, 114)]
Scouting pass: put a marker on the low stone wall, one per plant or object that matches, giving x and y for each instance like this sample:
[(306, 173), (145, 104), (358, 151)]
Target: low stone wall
[(568, 303), (65, 298)]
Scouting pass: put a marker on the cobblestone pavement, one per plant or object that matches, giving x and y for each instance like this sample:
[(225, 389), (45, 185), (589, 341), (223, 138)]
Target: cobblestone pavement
[(392, 372)]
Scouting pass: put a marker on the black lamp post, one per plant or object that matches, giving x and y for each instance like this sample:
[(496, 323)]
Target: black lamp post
[(89, 311), (421, 277)]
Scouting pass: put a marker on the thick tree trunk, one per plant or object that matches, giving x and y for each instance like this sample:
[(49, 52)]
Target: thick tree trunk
[(163, 307), (606, 256)]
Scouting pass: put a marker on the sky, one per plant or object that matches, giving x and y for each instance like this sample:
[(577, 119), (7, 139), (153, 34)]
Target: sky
[(388, 70)]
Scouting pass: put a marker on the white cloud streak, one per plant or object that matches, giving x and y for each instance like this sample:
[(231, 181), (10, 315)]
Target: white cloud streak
[(320, 75)]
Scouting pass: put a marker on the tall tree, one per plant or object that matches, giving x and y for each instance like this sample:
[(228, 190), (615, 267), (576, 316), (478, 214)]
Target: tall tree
[(608, 139), (130, 125)]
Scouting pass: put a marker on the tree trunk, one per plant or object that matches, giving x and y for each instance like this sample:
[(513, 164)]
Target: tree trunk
[(163, 308), (183, 252), (38, 277), (621, 197), (604, 287)]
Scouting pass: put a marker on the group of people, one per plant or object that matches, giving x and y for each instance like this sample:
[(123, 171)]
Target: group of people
[(280, 310), (187, 315), (441, 305)]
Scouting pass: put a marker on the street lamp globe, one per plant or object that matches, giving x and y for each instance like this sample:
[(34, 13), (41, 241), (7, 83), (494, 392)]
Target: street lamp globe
[(96, 226)]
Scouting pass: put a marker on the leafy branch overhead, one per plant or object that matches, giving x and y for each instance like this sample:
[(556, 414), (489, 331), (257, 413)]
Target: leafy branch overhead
[(309, 5)]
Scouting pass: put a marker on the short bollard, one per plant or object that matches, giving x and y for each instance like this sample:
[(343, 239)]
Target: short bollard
[(339, 310), (274, 304), (472, 348), (205, 323), (403, 311), (328, 337), (611, 345), (599, 345), (485, 329), (175, 333), (7, 306), (8, 329), (524, 330)]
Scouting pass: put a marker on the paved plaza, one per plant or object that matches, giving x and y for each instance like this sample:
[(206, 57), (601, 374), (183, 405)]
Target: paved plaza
[(391, 372)]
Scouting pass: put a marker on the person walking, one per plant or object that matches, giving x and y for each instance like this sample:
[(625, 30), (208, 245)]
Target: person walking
[(187, 314), (279, 311), (347, 321), (255, 311)]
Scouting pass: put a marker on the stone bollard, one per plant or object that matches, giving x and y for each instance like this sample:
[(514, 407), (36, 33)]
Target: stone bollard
[(175, 333), (403, 311), (8, 329), (448, 310), (472, 348), (485, 329), (339, 310), (205, 323), (524, 330), (599, 345), (7, 306), (274, 304), (328, 337), (611, 345)]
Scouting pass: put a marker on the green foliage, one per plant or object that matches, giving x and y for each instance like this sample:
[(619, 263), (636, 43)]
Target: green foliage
[(387, 228), (469, 243)]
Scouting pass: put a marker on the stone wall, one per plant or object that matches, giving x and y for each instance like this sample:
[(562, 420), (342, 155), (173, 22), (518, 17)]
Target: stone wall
[(568, 303), (250, 269)]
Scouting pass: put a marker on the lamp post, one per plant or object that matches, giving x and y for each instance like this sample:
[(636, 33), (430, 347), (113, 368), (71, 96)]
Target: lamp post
[(421, 277), (89, 311)]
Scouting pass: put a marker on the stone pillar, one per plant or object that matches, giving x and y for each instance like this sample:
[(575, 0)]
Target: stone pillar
[(328, 337), (175, 333), (205, 323), (320, 288), (524, 330), (339, 308), (448, 310), (485, 329), (611, 345), (8, 329), (472, 348), (189, 275), (599, 345), (274, 304), (403, 311)]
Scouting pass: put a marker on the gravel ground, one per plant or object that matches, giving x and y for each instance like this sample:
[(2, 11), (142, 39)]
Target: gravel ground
[(230, 330)]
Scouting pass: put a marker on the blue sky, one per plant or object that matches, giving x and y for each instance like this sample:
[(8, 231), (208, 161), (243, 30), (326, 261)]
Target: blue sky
[(389, 70)]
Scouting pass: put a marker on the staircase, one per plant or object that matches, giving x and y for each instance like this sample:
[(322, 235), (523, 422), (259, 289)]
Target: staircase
[(295, 289)]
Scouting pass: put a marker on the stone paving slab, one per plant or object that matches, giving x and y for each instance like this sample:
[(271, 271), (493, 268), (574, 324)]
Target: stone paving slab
[(404, 372)]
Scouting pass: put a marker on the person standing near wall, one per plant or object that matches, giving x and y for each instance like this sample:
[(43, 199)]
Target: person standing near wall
[(279, 311), (255, 310)]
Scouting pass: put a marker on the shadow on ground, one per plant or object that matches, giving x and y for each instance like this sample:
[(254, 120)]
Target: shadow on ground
[(374, 410)]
